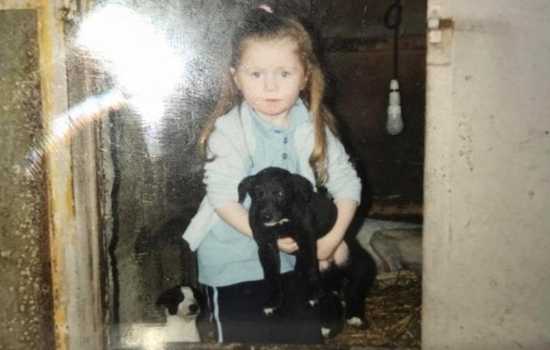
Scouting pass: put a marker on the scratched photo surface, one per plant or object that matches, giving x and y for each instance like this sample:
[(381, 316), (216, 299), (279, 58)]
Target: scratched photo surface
[(101, 107)]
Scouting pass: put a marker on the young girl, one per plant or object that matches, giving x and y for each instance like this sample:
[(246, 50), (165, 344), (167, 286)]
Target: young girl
[(270, 113)]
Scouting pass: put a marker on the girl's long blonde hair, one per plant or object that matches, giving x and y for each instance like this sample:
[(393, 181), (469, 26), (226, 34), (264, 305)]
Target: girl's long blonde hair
[(262, 25)]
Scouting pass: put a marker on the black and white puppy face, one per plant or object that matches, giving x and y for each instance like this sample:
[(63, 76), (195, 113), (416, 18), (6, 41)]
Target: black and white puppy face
[(273, 191), (181, 300)]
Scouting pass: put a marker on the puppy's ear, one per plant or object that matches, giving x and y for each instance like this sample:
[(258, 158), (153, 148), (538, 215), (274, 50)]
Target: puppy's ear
[(245, 187), (197, 293), (199, 297), (170, 300), (302, 187)]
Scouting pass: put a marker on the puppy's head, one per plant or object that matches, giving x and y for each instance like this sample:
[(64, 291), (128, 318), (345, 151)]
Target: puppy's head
[(273, 191), (181, 300)]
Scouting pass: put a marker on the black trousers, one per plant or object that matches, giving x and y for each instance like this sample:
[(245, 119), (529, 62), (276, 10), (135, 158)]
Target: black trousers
[(238, 312)]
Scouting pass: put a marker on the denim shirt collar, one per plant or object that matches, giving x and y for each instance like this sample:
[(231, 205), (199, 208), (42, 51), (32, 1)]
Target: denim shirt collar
[(297, 115)]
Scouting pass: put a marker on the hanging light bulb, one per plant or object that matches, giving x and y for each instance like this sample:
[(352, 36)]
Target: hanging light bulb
[(392, 20), (394, 123)]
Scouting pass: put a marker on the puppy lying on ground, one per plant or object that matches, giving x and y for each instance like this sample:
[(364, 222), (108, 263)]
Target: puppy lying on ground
[(285, 204), (181, 307)]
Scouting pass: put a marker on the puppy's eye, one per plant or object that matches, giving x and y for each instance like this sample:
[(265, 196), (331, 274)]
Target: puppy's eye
[(279, 194)]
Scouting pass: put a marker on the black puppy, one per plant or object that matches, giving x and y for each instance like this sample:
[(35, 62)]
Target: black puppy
[(285, 204)]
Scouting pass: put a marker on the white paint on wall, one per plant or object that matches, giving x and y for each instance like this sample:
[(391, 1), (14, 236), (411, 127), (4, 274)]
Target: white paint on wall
[(487, 178)]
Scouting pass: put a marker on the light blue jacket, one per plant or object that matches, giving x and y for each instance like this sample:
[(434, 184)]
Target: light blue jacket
[(232, 143)]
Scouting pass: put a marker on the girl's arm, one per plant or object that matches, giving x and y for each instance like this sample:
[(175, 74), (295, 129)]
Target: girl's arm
[(235, 215), (345, 186), (328, 243)]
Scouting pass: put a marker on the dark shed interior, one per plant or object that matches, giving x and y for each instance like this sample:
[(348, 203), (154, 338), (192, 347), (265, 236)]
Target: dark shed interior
[(157, 185)]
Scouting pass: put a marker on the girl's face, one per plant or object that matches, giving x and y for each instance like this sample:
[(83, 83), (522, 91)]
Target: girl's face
[(270, 76)]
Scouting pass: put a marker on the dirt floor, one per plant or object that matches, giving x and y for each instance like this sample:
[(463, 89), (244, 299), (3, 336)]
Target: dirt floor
[(393, 313)]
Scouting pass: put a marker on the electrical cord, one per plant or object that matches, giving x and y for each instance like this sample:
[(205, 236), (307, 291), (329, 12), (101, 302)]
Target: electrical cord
[(392, 20)]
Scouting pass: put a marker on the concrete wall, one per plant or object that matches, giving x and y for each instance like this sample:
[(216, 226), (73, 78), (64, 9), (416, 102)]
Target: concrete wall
[(26, 320), (486, 228)]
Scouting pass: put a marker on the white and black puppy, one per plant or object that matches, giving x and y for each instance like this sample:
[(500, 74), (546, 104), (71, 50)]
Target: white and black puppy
[(182, 308)]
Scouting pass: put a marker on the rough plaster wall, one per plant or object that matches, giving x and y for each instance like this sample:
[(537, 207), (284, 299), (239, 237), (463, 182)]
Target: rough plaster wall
[(486, 232), (25, 290)]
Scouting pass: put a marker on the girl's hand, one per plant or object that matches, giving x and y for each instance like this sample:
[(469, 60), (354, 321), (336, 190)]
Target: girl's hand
[(326, 246), (287, 245)]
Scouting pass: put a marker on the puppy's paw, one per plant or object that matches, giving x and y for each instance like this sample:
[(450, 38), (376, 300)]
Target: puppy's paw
[(273, 304), (355, 322), (325, 332), (313, 302), (314, 295), (269, 311)]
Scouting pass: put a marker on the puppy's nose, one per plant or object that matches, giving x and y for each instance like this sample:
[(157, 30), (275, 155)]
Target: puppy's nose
[(266, 216), (193, 308)]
